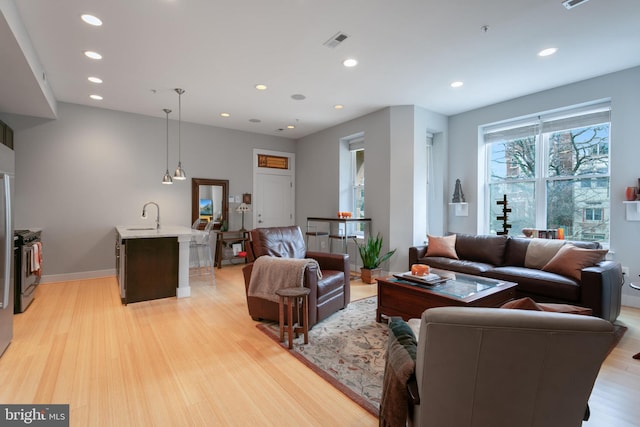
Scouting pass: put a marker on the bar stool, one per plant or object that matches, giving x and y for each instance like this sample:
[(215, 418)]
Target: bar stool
[(290, 297), (316, 235)]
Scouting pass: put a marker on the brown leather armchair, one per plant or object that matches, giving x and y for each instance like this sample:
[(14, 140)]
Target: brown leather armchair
[(328, 294)]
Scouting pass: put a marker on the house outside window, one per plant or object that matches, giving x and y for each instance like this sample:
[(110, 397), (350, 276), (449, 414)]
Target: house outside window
[(554, 169)]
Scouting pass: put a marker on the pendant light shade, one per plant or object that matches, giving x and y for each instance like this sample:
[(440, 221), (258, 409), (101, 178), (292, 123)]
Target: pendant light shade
[(179, 173), (166, 179)]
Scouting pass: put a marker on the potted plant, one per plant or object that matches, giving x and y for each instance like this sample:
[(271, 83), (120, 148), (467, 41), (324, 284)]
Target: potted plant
[(371, 258)]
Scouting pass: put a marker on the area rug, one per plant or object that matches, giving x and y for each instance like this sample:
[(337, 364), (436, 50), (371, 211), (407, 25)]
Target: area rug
[(346, 349)]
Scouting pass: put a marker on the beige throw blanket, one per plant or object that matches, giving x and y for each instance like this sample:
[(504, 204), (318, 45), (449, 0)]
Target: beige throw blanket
[(272, 273)]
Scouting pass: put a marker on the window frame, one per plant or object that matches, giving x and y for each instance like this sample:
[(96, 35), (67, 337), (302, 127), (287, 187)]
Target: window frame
[(542, 127)]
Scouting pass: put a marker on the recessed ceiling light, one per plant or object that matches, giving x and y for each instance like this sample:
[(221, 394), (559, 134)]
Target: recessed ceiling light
[(291, 127), (261, 87), (457, 84), (96, 97), (93, 55), (350, 62), (338, 106), (225, 114), (548, 51), (298, 97), (97, 80), (91, 20), (255, 120)]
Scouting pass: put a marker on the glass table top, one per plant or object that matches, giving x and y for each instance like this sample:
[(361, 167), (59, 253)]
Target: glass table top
[(457, 285)]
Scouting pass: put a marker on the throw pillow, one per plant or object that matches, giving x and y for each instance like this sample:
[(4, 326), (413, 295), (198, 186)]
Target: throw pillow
[(442, 246), (527, 303), (540, 251), (570, 260)]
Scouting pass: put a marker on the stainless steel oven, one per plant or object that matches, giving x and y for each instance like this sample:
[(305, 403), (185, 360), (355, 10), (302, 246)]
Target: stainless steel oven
[(28, 267)]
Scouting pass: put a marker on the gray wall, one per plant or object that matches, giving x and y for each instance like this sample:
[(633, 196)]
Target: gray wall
[(394, 140), (622, 88), (91, 169)]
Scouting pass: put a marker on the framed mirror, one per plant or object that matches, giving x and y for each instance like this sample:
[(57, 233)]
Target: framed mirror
[(209, 201)]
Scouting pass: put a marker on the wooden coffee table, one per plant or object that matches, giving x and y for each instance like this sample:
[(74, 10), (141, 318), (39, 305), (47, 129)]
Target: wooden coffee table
[(407, 299)]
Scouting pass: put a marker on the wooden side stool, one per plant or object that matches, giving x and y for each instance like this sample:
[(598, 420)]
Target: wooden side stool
[(291, 297)]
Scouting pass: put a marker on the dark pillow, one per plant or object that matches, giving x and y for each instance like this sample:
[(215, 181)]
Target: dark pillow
[(487, 248), (404, 335)]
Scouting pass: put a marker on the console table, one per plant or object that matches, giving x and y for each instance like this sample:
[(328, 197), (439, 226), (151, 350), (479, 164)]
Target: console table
[(338, 232), (226, 238)]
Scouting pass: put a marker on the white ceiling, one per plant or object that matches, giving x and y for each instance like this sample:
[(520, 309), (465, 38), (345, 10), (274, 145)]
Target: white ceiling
[(409, 51)]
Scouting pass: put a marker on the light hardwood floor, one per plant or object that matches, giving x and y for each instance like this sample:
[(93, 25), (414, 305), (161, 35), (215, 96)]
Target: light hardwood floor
[(200, 361)]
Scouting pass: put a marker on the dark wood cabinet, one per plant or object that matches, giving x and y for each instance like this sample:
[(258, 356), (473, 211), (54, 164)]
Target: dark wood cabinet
[(150, 269)]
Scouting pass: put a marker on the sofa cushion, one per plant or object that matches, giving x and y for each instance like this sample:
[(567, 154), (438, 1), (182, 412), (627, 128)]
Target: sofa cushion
[(537, 282), (488, 249), (462, 266), (540, 251), (442, 246), (516, 251), (570, 260)]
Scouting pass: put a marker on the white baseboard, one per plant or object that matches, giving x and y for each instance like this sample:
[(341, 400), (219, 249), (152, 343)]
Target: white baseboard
[(51, 278), (631, 300)]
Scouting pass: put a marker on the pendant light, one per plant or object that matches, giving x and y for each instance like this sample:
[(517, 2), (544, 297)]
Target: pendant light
[(179, 173), (166, 179)]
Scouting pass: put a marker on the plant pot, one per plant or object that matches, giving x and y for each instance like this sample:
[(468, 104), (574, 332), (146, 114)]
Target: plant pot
[(369, 276)]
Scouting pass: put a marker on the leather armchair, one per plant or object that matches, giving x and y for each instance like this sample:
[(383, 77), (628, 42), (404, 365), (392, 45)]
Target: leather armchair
[(328, 294), (498, 367)]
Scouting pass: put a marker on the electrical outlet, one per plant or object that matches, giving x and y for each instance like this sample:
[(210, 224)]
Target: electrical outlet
[(625, 270)]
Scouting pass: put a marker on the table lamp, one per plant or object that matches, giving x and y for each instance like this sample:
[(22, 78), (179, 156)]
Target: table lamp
[(242, 208)]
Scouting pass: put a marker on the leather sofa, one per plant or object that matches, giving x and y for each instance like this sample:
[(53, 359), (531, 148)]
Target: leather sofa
[(503, 258), (328, 294)]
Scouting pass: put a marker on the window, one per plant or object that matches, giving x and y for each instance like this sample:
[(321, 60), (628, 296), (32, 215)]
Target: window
[(356, 147), (554, 170), (357, 179), (593, 214)]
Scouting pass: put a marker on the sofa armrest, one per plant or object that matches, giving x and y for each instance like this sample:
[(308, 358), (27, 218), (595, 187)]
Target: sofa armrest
[(601, 289), (415, 253)]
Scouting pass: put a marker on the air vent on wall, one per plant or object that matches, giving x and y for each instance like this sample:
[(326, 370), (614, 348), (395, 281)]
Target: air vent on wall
[(570, 4), (336, 39)]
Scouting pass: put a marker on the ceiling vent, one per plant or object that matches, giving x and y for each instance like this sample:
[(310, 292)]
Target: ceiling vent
[(336, 39), (570, 4)]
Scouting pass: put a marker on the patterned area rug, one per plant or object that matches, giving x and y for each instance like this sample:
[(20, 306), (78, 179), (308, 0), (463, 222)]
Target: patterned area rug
[(346, 349)]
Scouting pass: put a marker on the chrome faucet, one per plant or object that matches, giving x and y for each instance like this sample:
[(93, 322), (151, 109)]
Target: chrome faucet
[(144, 213)]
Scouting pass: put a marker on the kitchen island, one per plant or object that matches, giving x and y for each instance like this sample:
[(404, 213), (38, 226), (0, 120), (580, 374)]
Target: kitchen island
[(153, 263)]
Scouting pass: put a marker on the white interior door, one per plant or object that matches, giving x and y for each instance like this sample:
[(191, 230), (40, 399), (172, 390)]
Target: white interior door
[(274, 200), (274, 205)]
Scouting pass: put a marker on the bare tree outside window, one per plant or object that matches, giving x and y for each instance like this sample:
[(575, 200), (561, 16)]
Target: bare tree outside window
[(575, 181)]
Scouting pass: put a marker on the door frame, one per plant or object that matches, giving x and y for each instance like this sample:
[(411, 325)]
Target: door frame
[(291, 172)]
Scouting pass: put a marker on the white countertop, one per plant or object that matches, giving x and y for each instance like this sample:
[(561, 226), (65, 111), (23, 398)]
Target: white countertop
[(139, 232)]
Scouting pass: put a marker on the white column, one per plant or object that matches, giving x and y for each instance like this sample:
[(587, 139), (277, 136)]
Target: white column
[(183, 290)]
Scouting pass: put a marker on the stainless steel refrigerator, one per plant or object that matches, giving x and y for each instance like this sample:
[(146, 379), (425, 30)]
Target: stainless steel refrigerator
[(7, 283)]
